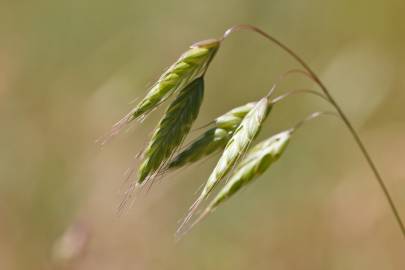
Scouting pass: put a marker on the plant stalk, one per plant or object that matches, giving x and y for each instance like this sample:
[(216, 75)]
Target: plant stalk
[(338, 109)]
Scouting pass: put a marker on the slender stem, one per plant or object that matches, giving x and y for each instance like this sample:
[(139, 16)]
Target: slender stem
[(313, 116), (338, 109), (299, 91)]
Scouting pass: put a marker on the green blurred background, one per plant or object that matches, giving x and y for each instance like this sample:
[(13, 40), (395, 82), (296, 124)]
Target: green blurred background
[(68, 70)]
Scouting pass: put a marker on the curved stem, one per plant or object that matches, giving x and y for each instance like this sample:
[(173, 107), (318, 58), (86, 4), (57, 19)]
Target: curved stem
[(311, 117), (337, 107), (299, 91), (285, 75)]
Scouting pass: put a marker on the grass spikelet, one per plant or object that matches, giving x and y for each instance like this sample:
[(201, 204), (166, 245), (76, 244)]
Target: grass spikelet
[(172, 129), (257, 161), (192, 64), (231, 120), (213, 139), (234, 150), (209, 142)]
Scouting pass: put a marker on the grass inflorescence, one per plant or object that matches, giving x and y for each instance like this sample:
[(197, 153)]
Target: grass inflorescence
[(232, 133)]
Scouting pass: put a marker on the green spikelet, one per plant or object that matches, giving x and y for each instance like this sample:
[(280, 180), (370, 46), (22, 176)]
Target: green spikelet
[(256, 162), (213, 139), (238, 144), (235, 148), (209, 142), (231, 120), (191, 65), (172, 129)]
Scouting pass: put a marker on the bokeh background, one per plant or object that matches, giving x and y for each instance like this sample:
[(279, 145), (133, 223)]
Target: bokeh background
[(68, 71)]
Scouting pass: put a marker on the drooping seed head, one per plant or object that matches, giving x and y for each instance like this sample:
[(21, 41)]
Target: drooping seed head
[(239, 143), (234, 150), (172, 129), (191, 65), (256, 162)]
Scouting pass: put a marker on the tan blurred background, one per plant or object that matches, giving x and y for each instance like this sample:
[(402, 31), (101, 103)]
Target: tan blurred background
[(68, 70)]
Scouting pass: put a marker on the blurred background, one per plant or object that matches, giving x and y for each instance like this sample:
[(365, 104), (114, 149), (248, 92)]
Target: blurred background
[(68, 71)]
